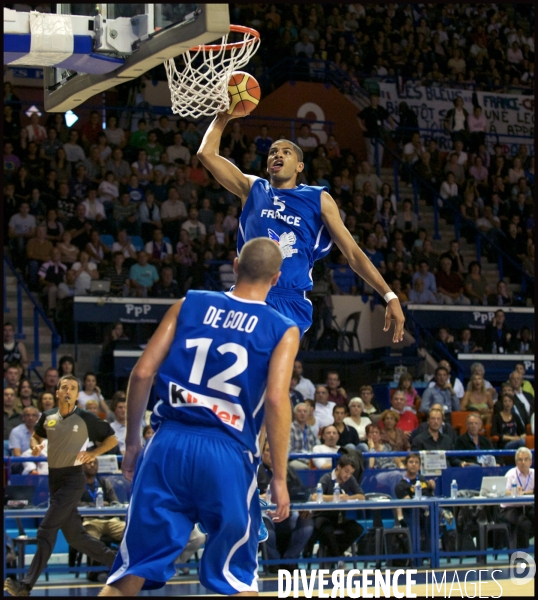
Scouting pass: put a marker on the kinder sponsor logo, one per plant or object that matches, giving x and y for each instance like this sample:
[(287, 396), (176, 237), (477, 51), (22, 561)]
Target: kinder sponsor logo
[(228, 412)]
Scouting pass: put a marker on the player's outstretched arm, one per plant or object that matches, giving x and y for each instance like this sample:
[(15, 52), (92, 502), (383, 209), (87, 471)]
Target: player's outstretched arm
[(361, 264), (278, 417), (140, 383), (227, 174)]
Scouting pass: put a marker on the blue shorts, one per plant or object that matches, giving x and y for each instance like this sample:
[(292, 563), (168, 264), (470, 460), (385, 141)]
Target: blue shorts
[(188, 475), (292, 304)]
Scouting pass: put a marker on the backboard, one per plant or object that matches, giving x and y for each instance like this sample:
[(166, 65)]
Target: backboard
[(127, 41)]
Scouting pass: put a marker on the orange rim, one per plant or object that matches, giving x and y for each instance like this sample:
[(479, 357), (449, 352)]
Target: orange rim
[(238, 29)]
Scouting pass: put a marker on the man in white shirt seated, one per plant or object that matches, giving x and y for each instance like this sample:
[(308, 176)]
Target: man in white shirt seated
[(324, 407), (19, 438), (330, 437), (520, 517), (305, 386)]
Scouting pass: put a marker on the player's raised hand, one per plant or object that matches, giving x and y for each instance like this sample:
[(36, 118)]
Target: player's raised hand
[(280, 497), (128, 464), (394, 312), (225, 116)]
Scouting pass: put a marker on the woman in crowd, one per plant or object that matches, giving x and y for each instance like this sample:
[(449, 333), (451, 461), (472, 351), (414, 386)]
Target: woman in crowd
[(114, 134), (46, 401), (476, 398), (386, 194), (85, 272), (387, 217), (370, 409), (516, 172), (407, 221), (25, 395), (393, 436), (62, 166), (355, 418), (218, 229), (66, 366), (90, 390), (68, 251), (55, 228), (374, 444), (507, 426), (476, 285), (97, 249), (382, 241), (411, 395), (147, 433)]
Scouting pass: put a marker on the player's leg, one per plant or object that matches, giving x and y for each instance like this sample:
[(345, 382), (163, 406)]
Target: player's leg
[(231, 516), (129, 585), (161, 514)]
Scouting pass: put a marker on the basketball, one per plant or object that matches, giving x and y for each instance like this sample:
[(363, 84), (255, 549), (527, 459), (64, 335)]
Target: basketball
[(244, 92)]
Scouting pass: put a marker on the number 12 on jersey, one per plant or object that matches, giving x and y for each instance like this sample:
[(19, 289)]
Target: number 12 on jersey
[(220, 381)]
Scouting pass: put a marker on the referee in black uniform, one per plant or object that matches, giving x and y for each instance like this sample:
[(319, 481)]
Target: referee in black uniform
[(69, 431)]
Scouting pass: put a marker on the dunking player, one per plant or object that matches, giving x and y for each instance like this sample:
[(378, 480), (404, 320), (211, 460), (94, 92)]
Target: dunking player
[(304, 221), (214, 356)]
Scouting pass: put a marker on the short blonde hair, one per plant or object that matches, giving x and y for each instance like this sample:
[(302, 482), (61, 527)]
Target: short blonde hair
[(356, 400)]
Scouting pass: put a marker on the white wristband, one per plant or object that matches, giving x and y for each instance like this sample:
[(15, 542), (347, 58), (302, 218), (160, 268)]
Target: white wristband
[(389, 296)]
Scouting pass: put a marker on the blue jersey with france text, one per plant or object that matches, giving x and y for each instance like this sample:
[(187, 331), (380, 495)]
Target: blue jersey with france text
[(215, 373), (292, 218)]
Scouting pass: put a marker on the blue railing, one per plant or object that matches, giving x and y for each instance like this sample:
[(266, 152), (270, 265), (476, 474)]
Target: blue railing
[(39, 313)]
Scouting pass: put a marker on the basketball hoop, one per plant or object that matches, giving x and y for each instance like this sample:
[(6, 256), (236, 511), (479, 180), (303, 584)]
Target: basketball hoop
[(201, 87)]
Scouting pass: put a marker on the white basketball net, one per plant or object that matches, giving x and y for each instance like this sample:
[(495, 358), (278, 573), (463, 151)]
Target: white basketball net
[(201, 87)]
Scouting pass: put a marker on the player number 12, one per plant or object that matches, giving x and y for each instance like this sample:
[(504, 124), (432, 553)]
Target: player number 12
[(220, 380)]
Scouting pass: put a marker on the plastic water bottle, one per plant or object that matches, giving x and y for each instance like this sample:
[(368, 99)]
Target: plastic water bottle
[(268, 494), (319, 493), (100, 499), (494, 348), (418, 490), (336, 493), (454, 489), (514, 491)]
